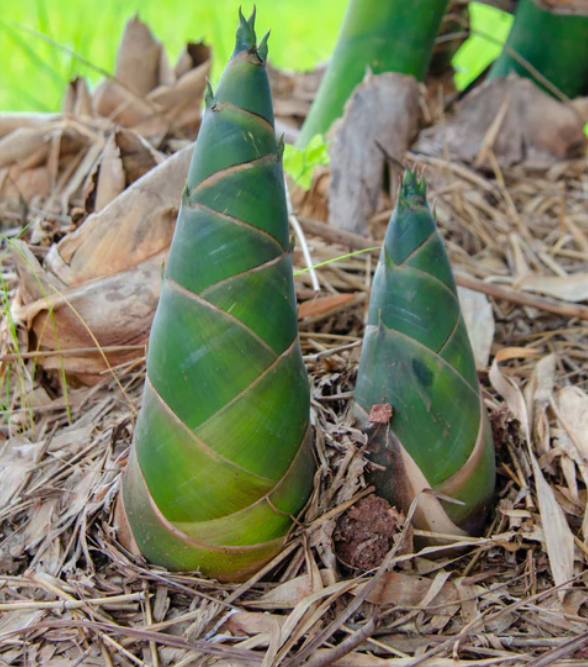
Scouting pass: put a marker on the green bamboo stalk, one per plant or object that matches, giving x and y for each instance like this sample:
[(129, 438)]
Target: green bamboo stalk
[(222, 458), (555, 45), (384, 35), (417, 357)]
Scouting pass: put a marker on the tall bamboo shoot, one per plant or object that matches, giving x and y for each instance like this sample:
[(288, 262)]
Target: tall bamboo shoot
[(222, 458), (417, 357)]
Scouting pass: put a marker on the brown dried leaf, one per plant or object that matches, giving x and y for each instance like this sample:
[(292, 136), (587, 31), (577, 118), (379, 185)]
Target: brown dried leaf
[(573, 406), (135, 226), (35, 282), (515, 119), (559, 540), (11, 121), (308, 604), (537, 396), (138, 155), (380, 120), (41, 524), (111, 177), (18, 620), (266, 626), (251, 623), (18, 458), (192, 55), (479, 320), (124, 107), (24, 142), (540, 385), (137, 60), (286, 595), (18, 185), (30, 146), (569, 288), (357, 659), (293, 92), (116, 309), (156, 100), (314, 202), (323, 305), (408, 590), (146, 95), (558, 536), (77, 99), (180, 101), (511, 393), (102, 282), (573, 415)]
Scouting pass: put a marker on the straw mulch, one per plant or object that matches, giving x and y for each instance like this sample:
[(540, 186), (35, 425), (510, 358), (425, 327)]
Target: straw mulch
[(70, 595)]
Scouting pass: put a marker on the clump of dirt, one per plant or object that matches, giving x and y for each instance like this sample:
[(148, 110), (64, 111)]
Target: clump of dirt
[(366, 532)]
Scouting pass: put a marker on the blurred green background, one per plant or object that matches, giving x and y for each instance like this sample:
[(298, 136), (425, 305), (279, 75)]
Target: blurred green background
[(35, 69)]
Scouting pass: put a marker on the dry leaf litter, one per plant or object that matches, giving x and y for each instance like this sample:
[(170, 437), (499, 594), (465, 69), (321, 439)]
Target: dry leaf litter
[(70, 595)]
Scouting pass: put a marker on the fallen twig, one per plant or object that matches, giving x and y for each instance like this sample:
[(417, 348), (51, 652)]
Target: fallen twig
[(358, 242), (325, 658), (39, 354), (207, 648), (561, 651), (63, 605)]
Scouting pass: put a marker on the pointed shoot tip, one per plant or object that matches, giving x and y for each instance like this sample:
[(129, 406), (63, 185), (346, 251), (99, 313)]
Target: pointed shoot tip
[(251, 19), (208, 95), (245, 38), (281, 146), (262, 49), (412, 187)]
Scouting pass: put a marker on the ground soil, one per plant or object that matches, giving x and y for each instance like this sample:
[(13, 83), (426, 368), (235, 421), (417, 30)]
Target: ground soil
[(365, 533)]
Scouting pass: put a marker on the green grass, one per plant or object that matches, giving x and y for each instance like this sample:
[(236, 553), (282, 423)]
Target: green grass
[(304, 32), (35, 73)]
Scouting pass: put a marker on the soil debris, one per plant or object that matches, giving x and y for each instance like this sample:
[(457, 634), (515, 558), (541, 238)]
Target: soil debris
[(380, 414), (366, 532)]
